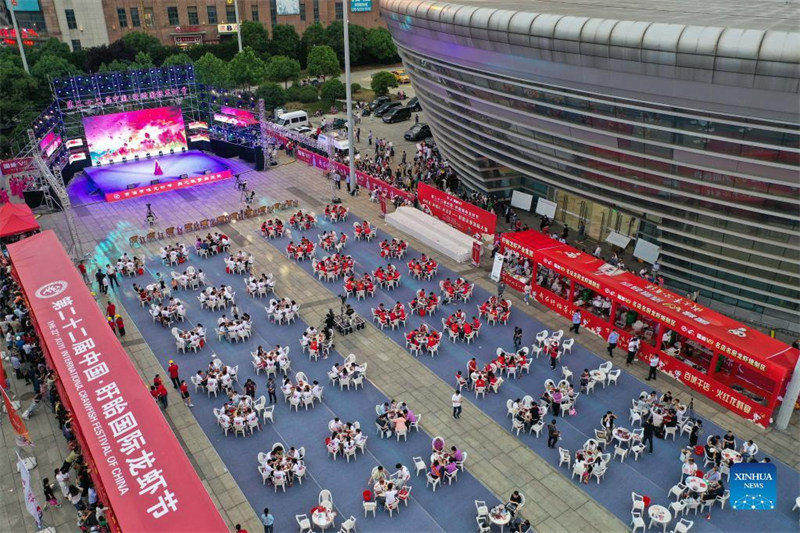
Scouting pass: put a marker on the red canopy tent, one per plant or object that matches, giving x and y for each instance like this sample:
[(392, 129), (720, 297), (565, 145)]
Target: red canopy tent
[(745, 363), (137, 464), (16, 219)]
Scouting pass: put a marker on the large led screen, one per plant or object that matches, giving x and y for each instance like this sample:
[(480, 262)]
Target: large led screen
[(145, 132)]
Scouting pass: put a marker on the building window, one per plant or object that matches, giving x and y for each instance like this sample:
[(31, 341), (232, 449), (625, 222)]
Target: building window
[(172, 16), (211, 11), (191, 13), (135, 22), (76, 44), (148, 17), (230, 14), (254, 12), (303, 11), (316, 10), (339, 10), (71, 22), (122, 17)]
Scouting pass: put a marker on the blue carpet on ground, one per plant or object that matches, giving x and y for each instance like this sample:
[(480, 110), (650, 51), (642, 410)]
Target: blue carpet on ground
[(449, 508)]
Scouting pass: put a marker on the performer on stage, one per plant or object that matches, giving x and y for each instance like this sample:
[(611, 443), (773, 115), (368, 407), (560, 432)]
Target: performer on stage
[(157, 171)]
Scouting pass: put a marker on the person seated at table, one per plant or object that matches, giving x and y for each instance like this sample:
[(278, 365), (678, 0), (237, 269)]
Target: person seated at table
[(436, 470), (715, 490), (514, 502), (688, 469), (729, 441), (713, 475), (587, 472), (383, 423), (713, 453)]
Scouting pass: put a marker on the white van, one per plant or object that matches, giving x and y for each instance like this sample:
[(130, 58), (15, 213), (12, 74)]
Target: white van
[(292, 119)]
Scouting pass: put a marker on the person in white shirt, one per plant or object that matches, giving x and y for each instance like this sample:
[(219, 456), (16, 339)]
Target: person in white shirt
[(688, 469), (750, 449), (654, 360), (456, 399), (402, 473), (390, 495)]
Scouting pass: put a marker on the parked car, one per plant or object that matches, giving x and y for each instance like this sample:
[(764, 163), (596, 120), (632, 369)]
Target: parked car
[(379, 101), (401, 76), (413, 104), (382, 110), (397, 114), (417, 132)]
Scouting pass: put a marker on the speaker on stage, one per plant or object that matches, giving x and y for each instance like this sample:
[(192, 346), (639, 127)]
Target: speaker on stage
[(155, 182), (184, 176), (131, 185)]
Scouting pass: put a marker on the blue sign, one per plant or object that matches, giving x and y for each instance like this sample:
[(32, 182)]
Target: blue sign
[(753, 486), (359, 6), (26, 5)]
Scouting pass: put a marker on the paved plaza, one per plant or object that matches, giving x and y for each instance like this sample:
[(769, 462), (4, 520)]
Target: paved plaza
[(499, 461)]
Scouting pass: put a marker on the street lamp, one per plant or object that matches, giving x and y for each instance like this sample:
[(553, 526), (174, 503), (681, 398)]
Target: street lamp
[(348, 93), (238, 24), (10, 6)]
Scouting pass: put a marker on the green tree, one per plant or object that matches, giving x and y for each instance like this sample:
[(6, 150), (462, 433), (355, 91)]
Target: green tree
[(355, 87), (359, 54), (381, 47), (116, 65), (211, 70), (285, 42), (51, 67), (177, 59), (142, 42), (313, 36), (382, 81), (322, 61), (332, 90), (143, 61), (282, 68), (246, 69), (273, 95), (51, 47), (308, 94), (255, 35), (334, 37)]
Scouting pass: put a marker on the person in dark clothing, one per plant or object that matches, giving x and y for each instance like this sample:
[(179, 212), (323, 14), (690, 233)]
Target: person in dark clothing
[(649, 429), (271, 390), (552, 434), (694, 435)]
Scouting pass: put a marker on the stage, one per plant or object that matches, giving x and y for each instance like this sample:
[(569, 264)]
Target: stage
[(133, 179)]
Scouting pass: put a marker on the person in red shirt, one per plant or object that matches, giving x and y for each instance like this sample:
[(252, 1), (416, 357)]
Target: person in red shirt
[(157, 380), (111, 309), (162, 395), (467, 329), (173, 374), (82, 270), (120, 326), (480, 382), (187, 399), (472, 365)]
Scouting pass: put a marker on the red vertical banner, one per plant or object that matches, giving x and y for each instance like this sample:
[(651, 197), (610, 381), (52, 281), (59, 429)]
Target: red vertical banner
[(476, 253), (13, 416), (3, 377), (383, 205)]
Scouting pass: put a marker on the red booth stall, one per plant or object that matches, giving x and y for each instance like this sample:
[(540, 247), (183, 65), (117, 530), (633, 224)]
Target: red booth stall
[(140, 470), (738, 367)]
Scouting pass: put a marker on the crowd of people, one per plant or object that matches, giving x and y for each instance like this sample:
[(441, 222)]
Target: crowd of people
[(173, 254), (333, 266), (239, 262), (359, 286), (190, 277), (282, 467), (211, 244), (394, 248), (344, 438), (460, 289), (302, 220), (495, 310), (273, 228), (424, 303), (300, 251), (336, 212), (329, 240), (422, 267), (217, 297)]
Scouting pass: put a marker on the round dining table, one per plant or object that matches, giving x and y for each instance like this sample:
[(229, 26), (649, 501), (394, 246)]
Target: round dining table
[(500, 516), (659, 515), (598, 375), (323, 519), (731, 456), (623, 435), (696, 484)]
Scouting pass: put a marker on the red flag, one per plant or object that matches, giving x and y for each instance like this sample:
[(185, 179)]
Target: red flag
[(3, 377), (13, 416)]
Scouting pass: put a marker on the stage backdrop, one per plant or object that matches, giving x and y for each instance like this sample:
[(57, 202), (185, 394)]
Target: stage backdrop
[(143, 132)]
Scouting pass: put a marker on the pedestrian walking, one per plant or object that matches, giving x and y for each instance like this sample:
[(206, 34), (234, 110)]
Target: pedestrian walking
[(271, 390), (633, 347), (517, 338), (250, 388), (456, 404), (552, 434), (82, 270), (613, 339), (416, 118), (576, 322), (120, 326), (111, 272), (501, 288), (268, 520), (172, 369), (526, 293), (653, 367), (649, 428), (552, 350), (187, 399), (358, 134), (369, 139), (49, 495)]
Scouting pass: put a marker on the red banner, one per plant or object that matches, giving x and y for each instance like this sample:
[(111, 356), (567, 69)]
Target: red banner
[(304, 155), (371, 183), (320, 161), (138, 465), (168, 186), (476, 253), (462, 215), (14, 166), (13, 416)]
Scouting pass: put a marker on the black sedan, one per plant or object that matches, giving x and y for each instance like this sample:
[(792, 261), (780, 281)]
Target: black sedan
[(417, 132), (385, 108)]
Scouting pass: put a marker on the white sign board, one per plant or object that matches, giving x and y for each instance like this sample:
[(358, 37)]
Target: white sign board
[(287, 7), (497, 267), (618, 239), (227, 28), (546, 208), (646, 251), (521, 200)]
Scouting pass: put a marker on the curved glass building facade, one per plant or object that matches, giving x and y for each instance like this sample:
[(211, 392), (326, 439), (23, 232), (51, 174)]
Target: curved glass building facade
[(680, 127)]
